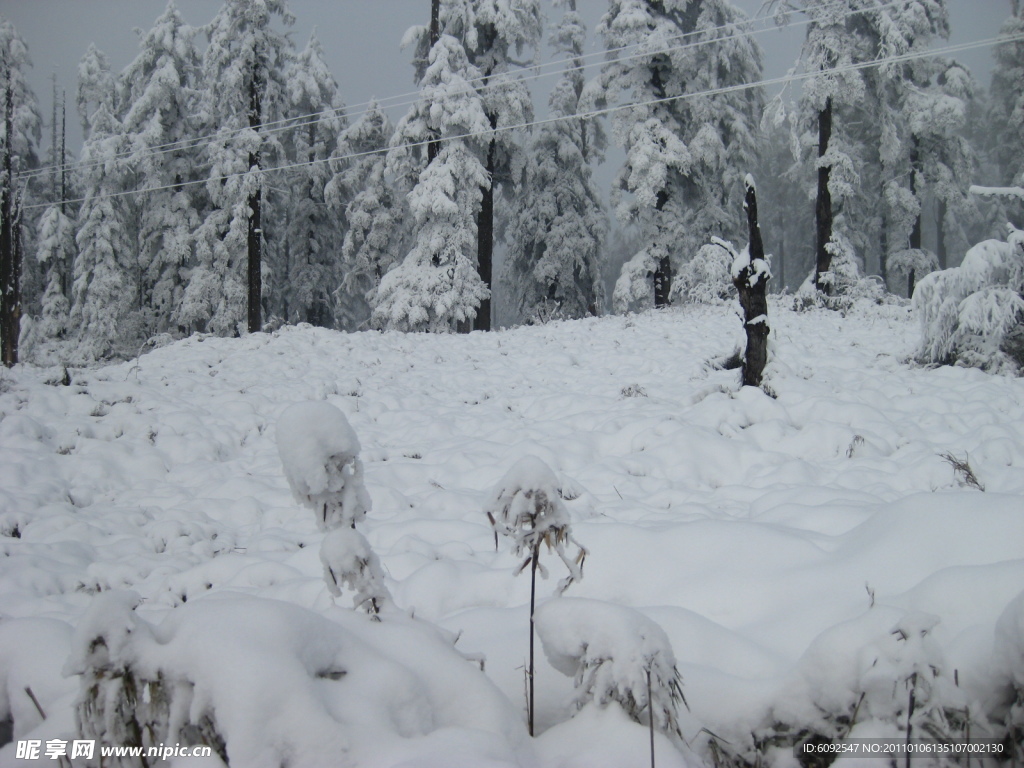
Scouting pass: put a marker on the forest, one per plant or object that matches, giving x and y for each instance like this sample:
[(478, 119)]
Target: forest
[(330, 437), (224, 188)]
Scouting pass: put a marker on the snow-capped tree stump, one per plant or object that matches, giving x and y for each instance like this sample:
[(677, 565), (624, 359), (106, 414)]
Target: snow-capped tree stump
[(750, 275)]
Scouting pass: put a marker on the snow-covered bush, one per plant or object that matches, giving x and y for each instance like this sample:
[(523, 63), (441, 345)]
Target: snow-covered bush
[(320, 454), (266, 683), (634, 290), (967, 312), (123, 701), (613, 653), (843, 282), (882, 675), (526, 507), (348, 559), (706, 278), (912, 261)]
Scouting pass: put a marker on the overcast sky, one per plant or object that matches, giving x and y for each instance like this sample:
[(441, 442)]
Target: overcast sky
[(360, 39)]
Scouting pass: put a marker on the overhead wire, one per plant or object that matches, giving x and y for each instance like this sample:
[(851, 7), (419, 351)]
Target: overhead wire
[(558, 68), (591, 114)]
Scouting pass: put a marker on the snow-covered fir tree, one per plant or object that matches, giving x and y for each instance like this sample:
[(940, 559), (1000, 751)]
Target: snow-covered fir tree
[(159, 95), (55, 248), (497, 34), (307, 270), (20, 126), (437, 286), (105, 310), (95, 85), (558, 226), (1007, 101), (376, 215), (840, 35), (686, 155), (242, 70), (918, 108)]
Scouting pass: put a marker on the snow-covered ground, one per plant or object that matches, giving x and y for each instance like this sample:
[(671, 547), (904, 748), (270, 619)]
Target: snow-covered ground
[(778, 542)]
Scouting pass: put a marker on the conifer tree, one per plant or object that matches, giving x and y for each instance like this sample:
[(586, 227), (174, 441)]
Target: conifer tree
[(437, 287), (308, 263), (104, 311), (159, 97), (558, 226), (20, 125), (685, 152), (242, 70), (375, 213)]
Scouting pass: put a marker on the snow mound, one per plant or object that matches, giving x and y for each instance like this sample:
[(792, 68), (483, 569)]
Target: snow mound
[(267, 683), (609, 650)]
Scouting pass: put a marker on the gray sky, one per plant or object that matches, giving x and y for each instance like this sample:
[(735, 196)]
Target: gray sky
[(360, 39)]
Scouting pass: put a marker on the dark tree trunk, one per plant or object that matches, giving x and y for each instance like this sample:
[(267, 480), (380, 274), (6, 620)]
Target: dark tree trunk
[(782, 258), (752, 287), (69, 264), (16, 265), (485, 239), (255, 322), (883, 255), (823, 205), (435, 34), (7, 247), (663, 272), (940, 235), (915, 232)]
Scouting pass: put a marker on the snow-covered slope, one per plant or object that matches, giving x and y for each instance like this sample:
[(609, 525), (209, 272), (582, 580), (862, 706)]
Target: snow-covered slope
[(777, 541)]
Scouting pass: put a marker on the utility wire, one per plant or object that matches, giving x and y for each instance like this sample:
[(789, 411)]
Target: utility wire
[(789, 78), (301, 121)]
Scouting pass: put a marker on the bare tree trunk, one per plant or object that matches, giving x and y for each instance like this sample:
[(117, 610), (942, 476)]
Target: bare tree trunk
[(752, 287), (435, 34), (915, 232), (7, 213), (255, 278), (940, 235), (485, 239), (782, 258), (823, 205), (663, 272), (883, 256)]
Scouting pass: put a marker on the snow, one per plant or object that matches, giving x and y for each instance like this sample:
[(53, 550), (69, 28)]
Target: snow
[(777, 542), (976, 189), (320, 454)]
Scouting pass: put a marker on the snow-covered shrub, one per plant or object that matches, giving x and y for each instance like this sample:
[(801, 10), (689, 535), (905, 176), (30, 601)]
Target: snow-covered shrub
[(843, 283), (267, 683), (908, 685), (526, 507), (706, 278), (123, 702), (348, 559), (634, 290), (914, 261), (967, 312), (881, 675), (320, 454), (613, 653)]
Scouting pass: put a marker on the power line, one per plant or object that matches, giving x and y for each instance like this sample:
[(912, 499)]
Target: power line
[(789, 78), (295, 122)]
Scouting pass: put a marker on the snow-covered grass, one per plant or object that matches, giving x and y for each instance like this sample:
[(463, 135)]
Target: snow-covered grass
[(778, 542)]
